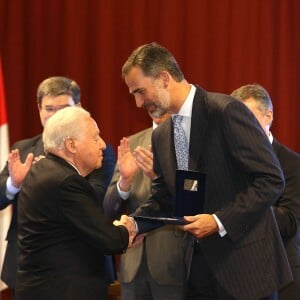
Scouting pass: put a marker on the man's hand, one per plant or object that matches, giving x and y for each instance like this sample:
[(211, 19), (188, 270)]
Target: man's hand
[(17, 169), (138, 240), (201, 225), (144, 159), (129, 223), (127, 165)]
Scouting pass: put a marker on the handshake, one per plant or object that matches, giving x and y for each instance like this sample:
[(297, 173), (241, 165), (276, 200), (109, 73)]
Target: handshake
[(130, 225)]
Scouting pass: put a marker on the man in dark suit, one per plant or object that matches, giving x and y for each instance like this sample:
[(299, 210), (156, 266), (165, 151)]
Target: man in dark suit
[(238, 252), (153, 269), (287, 207), (63, 234), (53, 94)]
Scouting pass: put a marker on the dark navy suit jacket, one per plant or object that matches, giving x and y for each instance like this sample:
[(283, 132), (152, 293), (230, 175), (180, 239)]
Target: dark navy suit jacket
[(287, 213), (243, 180)]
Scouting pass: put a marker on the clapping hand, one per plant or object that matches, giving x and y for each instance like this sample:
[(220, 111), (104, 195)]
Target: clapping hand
[(126, 164), (144, 159), (17, 169)]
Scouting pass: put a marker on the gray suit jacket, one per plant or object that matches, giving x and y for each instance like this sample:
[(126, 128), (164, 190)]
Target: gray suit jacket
[(163, 246), (243, 180)]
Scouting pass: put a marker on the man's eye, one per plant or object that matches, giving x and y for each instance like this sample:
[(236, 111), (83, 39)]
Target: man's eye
[(50, 109)]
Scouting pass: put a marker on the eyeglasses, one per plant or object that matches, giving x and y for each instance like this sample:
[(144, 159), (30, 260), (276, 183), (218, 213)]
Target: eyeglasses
[(52, 109)]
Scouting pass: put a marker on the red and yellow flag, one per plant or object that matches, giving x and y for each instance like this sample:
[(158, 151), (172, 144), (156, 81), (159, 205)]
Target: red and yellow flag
[(5, 215)]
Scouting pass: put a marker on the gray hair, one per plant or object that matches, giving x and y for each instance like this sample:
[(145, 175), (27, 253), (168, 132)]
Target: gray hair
[(258, 93), (153, 59), (56, 86), (64, 124)]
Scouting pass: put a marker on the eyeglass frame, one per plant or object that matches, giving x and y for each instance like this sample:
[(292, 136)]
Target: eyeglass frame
[(53, 109)]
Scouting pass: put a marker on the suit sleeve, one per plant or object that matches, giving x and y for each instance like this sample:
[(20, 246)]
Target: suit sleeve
[(114, 206), (4, 201), (160, 203), (287, 208), (251, 152), (84, 214)]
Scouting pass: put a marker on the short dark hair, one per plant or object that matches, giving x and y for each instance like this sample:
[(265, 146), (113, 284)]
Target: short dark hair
[(257, 92), (56, 86), (153, 59)]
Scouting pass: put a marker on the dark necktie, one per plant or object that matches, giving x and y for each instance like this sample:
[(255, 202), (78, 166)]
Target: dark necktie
[(181, 144)]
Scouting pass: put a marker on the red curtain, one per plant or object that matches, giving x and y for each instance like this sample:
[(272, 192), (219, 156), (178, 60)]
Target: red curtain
[(220, 44)]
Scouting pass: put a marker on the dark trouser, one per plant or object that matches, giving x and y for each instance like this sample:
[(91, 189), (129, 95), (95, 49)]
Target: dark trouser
[(291, 291), (202, 285)]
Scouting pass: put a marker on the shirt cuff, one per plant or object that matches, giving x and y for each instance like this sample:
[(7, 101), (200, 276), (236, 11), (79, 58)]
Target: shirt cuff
[(222, 231), (123, 195), (136, 226), (11, 190)]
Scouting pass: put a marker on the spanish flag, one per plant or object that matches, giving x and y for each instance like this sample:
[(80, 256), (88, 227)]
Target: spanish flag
[(5, 215)]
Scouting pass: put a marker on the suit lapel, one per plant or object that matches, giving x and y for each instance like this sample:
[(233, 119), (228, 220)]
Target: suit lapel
[(276, 146), (169, 138), (165, 142), (164, 152), (198, 130), (38, 148)]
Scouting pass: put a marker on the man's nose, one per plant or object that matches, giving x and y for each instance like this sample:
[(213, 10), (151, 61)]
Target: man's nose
[(102, 144), (139, 101)]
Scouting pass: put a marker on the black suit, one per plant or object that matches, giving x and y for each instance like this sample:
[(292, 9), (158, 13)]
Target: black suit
[(99, 179), (243, 180), (287, 213), (63, 235)]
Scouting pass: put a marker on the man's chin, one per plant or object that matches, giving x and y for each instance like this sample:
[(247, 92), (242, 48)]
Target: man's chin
[(158, 113), (99, 164)]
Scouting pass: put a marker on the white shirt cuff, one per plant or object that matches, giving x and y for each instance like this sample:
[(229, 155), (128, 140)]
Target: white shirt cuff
[(222, 230), (123, 195), (11, 190), (136, 226)]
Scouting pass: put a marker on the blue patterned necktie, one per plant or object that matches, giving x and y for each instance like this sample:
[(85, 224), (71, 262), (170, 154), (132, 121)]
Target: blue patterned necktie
[(181, 144)]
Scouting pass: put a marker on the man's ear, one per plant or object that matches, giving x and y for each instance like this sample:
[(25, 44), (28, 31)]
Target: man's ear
[(269, 117), (165, 77), (70, 145)]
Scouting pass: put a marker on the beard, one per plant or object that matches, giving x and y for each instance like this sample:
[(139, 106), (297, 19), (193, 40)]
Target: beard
[(162, 105), (158, 112)]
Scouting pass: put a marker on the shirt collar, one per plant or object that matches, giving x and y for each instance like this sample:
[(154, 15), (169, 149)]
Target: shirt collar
[(154, 125), (186, 108), (73, 166), (270, 137)]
